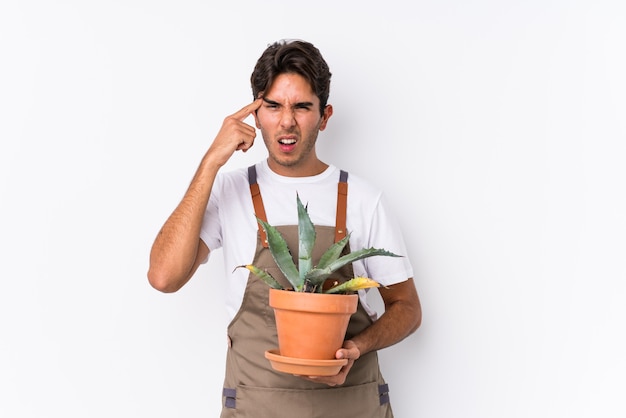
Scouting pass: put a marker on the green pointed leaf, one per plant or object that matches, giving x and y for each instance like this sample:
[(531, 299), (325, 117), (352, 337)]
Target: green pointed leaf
[(318, 275), (358, 255), (263, 275), (306, 237), (333, 252), (280, 252)]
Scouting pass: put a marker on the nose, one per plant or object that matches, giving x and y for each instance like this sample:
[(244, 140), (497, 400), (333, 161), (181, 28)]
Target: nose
[(287, 118)]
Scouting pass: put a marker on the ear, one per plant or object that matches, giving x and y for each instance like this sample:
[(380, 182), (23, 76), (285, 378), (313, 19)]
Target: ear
[(328, 112)]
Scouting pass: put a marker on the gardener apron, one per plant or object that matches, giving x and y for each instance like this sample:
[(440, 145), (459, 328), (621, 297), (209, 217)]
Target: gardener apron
[(252, 389)]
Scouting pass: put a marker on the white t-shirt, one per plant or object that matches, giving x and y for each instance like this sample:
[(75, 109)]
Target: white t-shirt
[(230, 223)]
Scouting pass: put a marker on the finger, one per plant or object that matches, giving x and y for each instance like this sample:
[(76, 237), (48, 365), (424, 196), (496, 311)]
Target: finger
[(247, 142), (244, 146), (245, 111), (343, 353)]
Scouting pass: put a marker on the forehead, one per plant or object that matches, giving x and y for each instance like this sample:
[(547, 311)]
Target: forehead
[(291, 88)]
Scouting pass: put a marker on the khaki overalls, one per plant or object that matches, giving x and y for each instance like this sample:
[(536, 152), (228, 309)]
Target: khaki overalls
[(252, 388)]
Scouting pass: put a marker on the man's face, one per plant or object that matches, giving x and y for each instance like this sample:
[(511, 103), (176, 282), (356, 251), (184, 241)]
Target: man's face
[(289, 120)]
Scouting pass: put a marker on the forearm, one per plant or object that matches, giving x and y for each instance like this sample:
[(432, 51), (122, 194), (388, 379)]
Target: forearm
[(402, 317), (398, 322), (175, 249)]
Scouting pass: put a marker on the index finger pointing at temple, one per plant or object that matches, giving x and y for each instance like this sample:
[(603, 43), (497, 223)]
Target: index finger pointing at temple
[(247, 110)]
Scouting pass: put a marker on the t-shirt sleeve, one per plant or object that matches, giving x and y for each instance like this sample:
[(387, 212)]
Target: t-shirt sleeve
[(385, 233)]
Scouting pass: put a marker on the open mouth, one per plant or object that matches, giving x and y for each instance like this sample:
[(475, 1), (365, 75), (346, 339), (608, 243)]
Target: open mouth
[(287, 145)]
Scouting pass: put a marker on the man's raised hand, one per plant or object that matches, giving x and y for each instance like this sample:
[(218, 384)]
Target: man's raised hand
[(234, 134)]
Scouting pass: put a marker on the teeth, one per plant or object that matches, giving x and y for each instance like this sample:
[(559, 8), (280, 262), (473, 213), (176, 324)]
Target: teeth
[(287, 141)]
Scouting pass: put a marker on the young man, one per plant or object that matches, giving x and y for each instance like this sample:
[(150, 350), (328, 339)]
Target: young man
[(290, 84)]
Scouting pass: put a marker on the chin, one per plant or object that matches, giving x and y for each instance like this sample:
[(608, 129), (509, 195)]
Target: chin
[(285, 162)]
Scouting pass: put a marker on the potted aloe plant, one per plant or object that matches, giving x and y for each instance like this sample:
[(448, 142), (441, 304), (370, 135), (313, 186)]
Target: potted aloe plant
[(325, 310)]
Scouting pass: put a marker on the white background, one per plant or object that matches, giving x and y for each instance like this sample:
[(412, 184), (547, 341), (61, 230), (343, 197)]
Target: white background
[(497, 128)]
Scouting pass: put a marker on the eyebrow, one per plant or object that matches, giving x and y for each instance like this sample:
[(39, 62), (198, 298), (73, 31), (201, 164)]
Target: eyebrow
[(299, 104)]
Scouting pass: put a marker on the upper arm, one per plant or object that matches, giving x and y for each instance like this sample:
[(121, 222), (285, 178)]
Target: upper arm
[(202, 256), (405, 294), (167, 278)]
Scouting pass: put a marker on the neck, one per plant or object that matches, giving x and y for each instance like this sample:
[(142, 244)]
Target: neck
[(298, 170)]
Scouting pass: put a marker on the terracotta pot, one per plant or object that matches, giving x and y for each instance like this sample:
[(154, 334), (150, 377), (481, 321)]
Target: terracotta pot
[(311, 325)]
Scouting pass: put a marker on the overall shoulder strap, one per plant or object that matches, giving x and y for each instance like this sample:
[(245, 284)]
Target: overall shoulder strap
[(342, 206), (257, 201)]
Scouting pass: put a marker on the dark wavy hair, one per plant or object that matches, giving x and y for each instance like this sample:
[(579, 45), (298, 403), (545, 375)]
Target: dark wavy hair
[(293, 56)]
